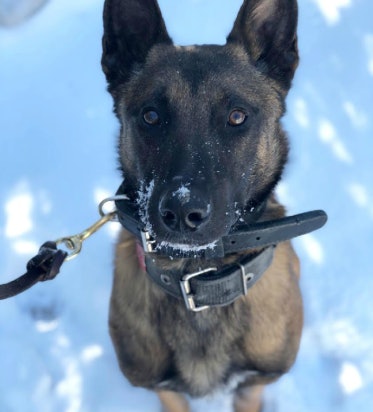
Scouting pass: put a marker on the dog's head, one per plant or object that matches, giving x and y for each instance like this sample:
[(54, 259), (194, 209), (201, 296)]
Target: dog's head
[(201, 143)]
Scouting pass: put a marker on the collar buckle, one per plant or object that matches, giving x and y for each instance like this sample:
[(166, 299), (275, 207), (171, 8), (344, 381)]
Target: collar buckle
[(186, 289)]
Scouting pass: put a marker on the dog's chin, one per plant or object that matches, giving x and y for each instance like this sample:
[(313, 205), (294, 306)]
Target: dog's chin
[(184, 241), (188, 241), (187, 247)]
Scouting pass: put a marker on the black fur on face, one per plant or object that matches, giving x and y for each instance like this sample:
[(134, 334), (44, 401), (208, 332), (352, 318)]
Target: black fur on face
[(201, 142)]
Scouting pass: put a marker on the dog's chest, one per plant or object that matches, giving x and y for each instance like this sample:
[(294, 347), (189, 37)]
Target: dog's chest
[(200, 377), (203, 375), (204, 360)]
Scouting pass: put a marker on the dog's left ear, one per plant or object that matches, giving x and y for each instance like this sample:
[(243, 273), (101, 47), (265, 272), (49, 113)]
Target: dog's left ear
[(268, 31), (131, 29)]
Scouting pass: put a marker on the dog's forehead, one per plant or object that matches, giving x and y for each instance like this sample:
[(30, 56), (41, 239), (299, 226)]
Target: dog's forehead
[(198, 64), (197, 70)]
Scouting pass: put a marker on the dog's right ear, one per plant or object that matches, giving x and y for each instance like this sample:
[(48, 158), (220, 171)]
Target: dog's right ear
[(268, 31), (131, 29)]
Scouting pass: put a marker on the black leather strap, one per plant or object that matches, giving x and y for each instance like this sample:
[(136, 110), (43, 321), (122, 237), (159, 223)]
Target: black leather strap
[(44, 266), (212, 288), (273, 231)]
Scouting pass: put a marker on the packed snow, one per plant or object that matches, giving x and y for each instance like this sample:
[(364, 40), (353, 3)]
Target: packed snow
[(58, 161)]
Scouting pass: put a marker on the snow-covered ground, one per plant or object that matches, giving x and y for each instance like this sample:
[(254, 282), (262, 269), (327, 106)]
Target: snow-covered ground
[(58, 160)]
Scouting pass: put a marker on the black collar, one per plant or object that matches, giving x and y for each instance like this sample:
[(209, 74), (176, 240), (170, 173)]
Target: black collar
[(210, 287)]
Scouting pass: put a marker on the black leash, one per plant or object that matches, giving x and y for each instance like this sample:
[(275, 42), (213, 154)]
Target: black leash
[(44, 266)]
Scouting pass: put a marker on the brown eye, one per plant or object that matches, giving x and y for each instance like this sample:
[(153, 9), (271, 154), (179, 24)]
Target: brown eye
[(151, 117), (237, 117)]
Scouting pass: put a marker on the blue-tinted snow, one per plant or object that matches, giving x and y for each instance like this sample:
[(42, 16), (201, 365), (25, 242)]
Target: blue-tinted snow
[(58, 160)]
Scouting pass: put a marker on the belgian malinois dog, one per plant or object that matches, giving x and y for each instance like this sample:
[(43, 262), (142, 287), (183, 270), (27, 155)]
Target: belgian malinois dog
[(201, 149)]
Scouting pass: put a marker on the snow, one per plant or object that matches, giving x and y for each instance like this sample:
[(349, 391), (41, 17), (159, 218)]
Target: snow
[(188, 248), (143, 197), (331, 9), (15, 12), (350, 378), (182, 193), (18, 210), (58, 158), (328, 135)]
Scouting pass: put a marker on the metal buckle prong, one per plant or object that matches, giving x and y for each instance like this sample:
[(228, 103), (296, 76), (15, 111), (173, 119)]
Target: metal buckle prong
[(187, 291), (148, 243)]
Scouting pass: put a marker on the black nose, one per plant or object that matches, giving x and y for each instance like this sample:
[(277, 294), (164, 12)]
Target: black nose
[(184, 210)]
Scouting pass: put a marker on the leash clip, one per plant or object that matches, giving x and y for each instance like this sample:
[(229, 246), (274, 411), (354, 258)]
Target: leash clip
[(74, 243)]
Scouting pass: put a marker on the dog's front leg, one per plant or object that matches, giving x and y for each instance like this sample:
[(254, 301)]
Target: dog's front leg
[(249, 399), (173, 401)]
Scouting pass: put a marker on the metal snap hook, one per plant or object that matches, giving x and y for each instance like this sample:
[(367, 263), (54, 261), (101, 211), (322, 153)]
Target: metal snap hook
[(74, 243)]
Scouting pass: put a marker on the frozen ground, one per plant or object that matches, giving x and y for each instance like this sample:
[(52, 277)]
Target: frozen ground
[(58, 159)]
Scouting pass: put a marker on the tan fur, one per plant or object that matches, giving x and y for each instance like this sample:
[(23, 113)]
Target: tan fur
[(173, 402), (271, 313), (249, 400)]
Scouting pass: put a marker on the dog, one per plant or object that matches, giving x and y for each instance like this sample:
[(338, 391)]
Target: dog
[(201, 149)]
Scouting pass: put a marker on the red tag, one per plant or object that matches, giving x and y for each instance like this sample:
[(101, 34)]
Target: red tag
[(140, 256)]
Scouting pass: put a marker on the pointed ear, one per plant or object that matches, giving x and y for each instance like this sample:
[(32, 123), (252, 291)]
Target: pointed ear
[(131, 29), (268, 31)]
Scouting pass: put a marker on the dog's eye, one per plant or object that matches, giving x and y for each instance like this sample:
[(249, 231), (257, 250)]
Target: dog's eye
[(236, 117), (151, 117)]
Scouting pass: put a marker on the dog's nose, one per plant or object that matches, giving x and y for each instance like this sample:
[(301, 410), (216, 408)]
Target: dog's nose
[(184, 210)]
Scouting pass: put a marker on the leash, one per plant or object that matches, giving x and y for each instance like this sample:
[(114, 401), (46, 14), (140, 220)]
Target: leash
[(44, 266), (47, 263), (199, 290)]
